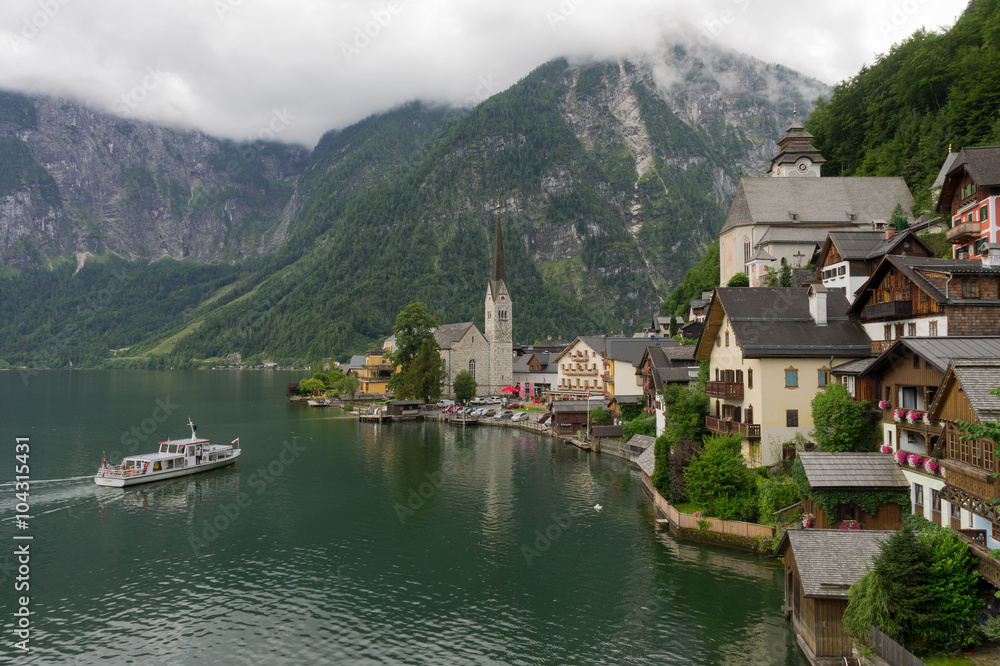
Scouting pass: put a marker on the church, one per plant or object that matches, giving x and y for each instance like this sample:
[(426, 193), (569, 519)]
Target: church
[(489, 355)]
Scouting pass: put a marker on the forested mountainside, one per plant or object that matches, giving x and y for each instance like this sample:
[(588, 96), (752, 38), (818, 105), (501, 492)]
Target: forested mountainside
[(612, 179), (899, 116)]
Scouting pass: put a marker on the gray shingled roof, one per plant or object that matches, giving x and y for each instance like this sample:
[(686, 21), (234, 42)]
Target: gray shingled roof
[(641, 442), (977, 377), (606, 431), (949, 162), (775, 321), (817, 201), (867, 245), (449, 334), (577, 406), (939, 351), (826, 471), (793, 235), (830, 561), (646, 460), (625, 349), (855, 367), (521, 364)]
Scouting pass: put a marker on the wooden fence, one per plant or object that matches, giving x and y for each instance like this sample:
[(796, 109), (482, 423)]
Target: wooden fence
[(690, 522), (891, 651)]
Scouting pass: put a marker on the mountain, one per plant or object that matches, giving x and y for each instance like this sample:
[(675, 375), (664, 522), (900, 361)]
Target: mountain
[(612, 179)]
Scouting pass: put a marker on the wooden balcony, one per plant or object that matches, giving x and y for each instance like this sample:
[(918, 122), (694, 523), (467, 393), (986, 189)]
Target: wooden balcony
[(724, 426), (964, 233), (890, 309), (879, 346), (728, 390), (989, 568)]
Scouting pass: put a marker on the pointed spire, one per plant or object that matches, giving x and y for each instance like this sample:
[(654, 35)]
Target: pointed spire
[(499, 273)]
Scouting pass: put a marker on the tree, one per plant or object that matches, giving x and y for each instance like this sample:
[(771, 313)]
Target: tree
[(769, 278), (840, 422), (311, 386), (600, 416), (899, 220), (785, 278), (661, 465), (903, 567), (672, 330), (685, 410), (417, 354), (414, 324), (349, 385), (464, 386), (952, 582), (720, 481), (739, 280)]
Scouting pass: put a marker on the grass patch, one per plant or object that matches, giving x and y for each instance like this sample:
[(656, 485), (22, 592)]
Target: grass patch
[(688, 508)]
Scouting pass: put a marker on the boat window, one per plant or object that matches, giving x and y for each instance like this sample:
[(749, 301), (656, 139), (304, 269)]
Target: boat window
[(156, 466), (168, 464)]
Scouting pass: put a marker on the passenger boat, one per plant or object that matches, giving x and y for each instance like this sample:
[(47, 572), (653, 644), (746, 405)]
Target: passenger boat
[(176, 457)]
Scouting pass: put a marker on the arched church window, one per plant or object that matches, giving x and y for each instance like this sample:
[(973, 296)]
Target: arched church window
[(472, 368)]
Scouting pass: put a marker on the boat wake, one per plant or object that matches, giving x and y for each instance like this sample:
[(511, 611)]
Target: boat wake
[(38, 482)]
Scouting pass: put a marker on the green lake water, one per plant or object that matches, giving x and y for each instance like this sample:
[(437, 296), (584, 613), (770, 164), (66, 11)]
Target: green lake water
[(337, 542)]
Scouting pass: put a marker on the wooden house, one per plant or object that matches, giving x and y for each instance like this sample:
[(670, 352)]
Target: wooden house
[(970, 188), (853, 472), (598, 433), (847, 258), (969, 465), (404, 408), (571, 416), (928, 297), (820, 566)]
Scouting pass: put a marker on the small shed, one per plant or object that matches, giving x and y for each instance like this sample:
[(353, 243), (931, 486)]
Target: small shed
[(638, 444), (845, 484), (570, 416), (820, 566), (404, 408), (601, 432)]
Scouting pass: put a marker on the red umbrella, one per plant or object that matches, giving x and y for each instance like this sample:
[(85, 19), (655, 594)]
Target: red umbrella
[(509, 389)]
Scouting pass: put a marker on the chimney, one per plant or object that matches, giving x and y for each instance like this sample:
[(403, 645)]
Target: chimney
[(817, 304), (991, 255), (889, 233)]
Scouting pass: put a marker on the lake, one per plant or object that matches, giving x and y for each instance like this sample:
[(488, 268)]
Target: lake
[(337, 542)]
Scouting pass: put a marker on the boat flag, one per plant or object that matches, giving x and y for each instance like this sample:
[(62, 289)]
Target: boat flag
[(235, 441)]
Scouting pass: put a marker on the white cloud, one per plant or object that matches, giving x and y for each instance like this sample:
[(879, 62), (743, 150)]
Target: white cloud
[(227, 66)]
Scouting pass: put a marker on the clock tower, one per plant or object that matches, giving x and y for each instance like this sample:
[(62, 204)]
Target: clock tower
[(796, 156), (499, 320)]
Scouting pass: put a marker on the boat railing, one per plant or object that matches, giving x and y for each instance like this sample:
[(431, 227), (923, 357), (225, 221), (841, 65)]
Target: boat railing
[(119, 472)]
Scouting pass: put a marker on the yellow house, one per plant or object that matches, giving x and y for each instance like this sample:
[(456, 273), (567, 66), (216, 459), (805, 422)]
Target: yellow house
[(377, 369), (770, 351)]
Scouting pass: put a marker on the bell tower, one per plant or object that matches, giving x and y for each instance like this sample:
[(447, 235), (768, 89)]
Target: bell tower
[(796, 155), (499, 319)]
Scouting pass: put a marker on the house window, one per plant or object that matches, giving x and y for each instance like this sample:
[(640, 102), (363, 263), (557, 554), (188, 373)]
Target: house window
[(933, 328), (936, 501), (888, 394), (956, 512), (848, 512), (899, 331), (911, 329), (916, 362), (842, 270), (472, 368), (791, 378), (918, 495), (970, 288), (727, 338), (909, 397), (791, 418), (746, 249), (887, 332), (824, 377), (718, 341), (717, 375), (984, 213), (749, 378)]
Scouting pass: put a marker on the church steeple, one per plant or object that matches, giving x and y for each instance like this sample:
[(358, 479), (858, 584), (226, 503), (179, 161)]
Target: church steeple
[(499, 319), (499, 272), (796, 155)]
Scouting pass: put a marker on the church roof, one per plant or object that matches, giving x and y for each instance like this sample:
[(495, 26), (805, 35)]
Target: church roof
[(449, 334), (827, 202)]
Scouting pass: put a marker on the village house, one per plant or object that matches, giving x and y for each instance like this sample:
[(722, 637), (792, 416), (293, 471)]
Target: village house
[(969, 192), (970, 464), (782, 218), (847, 258), (377, 369), (924, 296), (603, 365), (660, 327), (770, 350), (820, 566), (834, 477), (534, 370), (573, 416), (903, 382), (698, 307), (660, 367)]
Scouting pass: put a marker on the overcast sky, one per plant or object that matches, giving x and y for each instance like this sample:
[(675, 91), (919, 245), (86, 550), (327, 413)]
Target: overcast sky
[(243, 68)]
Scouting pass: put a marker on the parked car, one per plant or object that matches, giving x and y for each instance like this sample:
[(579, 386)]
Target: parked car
[(545, 418), (520, 416), (446, 403), (478, 401), (503, 414)]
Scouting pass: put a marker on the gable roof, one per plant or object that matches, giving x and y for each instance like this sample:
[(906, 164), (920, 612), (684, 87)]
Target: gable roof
[(646, 460), (521, 364), (783, 234), (577, 406), (826, 471), (982, 163), (670, 365), (775, 321), (975, 377), (939, 351), (918, 270), (618, 348), (606, 431), (855, 367), (862, 245), (449, 334), (830, 561), (824, 201)]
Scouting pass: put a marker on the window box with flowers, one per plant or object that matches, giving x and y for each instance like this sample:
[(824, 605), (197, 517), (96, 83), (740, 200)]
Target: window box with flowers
[(850, 525), (931, 466), (898, 414), (914, 416), (900, 457), (915, 460), (886, 448), (808, 520), (884, 404)]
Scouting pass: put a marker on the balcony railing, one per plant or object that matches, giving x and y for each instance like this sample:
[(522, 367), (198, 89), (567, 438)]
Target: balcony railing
[(729, 390), (724, 426), (889, 309), (879, 346), (989, 568), (966, 232)]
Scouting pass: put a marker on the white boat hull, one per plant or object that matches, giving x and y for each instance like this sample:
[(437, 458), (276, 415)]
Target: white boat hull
[(121, 482)]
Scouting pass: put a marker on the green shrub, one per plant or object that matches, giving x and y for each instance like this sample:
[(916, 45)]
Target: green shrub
[(661, 470), (773, 495), (641, 425), (719, 479)]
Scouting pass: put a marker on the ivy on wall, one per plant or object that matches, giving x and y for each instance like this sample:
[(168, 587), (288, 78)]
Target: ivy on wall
[(867, 499)]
